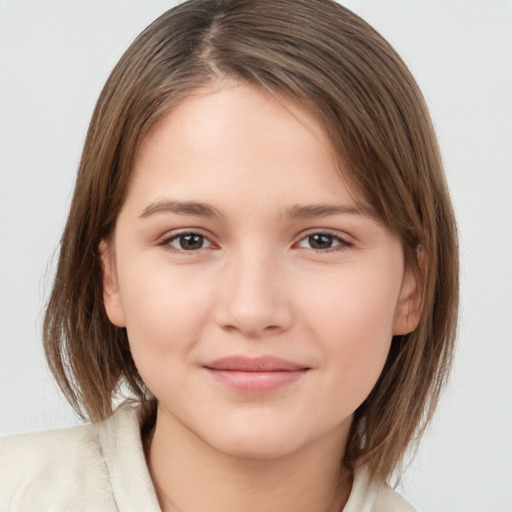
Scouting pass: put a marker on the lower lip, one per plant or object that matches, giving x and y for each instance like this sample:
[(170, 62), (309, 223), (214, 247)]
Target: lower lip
[(256, 382)]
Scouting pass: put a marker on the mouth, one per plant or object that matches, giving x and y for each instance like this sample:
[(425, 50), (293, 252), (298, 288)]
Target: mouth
[(255, 375)]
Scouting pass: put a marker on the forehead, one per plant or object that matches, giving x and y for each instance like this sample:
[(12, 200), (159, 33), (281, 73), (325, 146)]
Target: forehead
[(233, 137), (240, 110)]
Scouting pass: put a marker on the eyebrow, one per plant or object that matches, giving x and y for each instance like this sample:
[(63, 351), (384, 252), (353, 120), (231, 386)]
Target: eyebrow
[(296, 212), (180, 207), (324, 210)]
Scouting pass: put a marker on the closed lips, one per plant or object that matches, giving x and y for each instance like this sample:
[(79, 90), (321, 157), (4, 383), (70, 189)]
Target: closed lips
[(260, 364), (255, 375)]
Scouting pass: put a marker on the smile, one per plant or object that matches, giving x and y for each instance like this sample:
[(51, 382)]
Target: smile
[(255, 375)]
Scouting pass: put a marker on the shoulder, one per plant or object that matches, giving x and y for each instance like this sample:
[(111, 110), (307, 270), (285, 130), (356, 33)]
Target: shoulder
[(41, 448), (389, 500), (45, 470), (370, 496), (91, 467)]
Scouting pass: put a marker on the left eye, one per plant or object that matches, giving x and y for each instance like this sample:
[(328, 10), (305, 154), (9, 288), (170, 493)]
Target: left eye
[(188, 242), (322, 241)]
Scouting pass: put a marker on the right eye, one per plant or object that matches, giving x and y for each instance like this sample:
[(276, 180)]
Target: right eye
[(187, 242)]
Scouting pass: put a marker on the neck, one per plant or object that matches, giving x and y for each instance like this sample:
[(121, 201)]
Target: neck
[(191, 476)]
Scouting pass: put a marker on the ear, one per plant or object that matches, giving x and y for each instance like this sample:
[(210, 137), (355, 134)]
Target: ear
[(111, 294), (410, 303)]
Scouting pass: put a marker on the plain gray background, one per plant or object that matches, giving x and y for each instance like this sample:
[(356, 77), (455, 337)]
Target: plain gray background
[(54, 58)]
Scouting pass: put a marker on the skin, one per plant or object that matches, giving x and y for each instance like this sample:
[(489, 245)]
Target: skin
[(269, 275)]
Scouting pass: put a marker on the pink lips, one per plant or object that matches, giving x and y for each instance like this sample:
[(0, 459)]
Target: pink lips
[(255, 374)]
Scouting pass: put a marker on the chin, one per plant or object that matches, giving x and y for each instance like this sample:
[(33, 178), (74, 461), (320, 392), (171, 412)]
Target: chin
[(255, 447), (260, 438)]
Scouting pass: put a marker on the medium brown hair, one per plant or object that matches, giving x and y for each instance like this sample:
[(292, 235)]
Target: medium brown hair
[(326, 57)]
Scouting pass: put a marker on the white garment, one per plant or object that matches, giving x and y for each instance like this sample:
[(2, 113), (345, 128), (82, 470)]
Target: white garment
[(101, 468)]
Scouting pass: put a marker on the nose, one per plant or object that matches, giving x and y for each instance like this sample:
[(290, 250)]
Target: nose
[(254, 297)]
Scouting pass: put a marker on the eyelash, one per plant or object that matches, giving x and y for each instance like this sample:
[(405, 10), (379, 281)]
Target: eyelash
[(167, 242), (342, 244)]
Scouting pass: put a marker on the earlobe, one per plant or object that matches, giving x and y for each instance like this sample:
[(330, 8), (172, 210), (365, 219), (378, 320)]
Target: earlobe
[(410, 304), (111, 294)]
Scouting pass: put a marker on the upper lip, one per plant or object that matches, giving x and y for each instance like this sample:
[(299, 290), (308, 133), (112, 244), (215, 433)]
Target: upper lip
[(254, 364)]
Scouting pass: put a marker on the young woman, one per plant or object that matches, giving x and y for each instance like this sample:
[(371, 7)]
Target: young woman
[(261, 250)]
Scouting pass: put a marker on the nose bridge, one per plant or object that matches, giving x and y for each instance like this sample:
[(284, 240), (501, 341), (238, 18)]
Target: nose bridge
[(254, 298)]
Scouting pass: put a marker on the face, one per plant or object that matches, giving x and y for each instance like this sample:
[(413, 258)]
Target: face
[(259, 300)]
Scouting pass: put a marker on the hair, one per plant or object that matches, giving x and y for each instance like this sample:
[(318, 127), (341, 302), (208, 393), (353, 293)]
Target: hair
[(326, 57)]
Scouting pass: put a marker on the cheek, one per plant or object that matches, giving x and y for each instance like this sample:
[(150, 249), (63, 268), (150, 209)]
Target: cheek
[(166, 310), (352, 319)]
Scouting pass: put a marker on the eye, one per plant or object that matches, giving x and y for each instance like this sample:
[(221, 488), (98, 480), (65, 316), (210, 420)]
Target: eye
[(323, 242), (187, 242)]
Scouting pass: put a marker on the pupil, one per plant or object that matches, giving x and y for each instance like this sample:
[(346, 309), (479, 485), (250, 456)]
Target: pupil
[(189, 242), (320, 241)]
